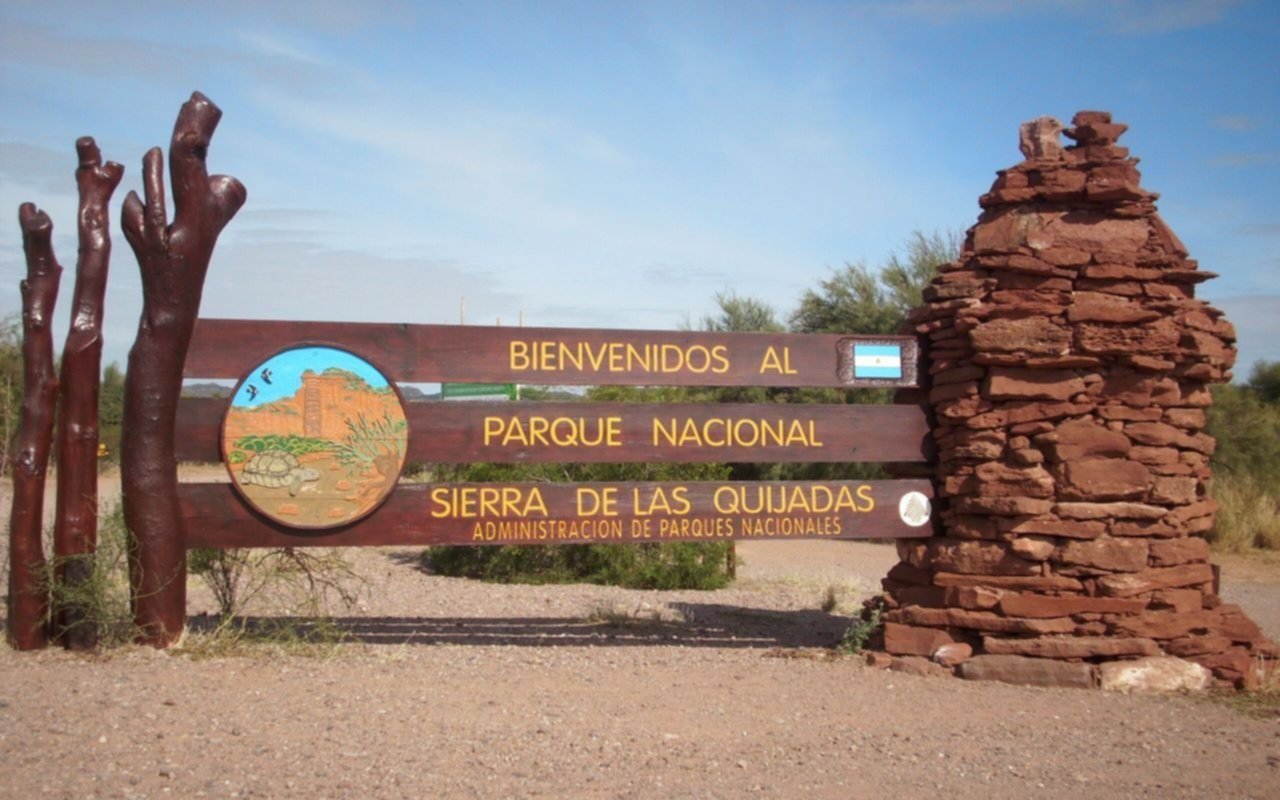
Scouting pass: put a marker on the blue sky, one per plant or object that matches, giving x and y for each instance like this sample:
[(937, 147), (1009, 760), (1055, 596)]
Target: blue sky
[(617, 164)]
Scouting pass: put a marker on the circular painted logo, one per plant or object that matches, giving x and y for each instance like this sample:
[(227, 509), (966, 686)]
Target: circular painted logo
[(315, 437), (914, 509)]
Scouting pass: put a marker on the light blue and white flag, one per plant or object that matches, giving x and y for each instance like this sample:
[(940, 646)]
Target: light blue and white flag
[(877, 361)]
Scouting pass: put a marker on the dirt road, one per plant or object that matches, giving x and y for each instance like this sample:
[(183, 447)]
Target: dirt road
[(462, 689)]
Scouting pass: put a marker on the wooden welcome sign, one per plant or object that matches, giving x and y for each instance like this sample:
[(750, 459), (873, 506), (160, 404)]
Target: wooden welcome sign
[(316, 435)]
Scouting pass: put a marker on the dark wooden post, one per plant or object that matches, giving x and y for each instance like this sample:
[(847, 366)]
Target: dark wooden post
[(173, 260), (28, 583), (75, 529)]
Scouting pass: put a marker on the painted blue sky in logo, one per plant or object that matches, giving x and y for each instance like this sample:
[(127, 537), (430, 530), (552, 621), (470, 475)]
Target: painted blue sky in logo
[(283, 374)]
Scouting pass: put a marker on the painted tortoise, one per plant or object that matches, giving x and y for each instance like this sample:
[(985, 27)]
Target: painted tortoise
[(276, 468)]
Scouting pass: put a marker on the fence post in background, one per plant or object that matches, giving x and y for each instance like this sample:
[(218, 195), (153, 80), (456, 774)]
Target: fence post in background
[(173, 260), (28, 579), (75, 530)]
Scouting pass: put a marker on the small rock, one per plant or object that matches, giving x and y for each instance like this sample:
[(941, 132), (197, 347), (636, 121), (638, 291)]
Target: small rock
[(1154, 674), (1027, 671), (952, 655), (915, 665)]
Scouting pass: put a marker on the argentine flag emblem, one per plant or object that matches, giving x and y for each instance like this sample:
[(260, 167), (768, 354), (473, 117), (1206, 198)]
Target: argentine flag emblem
[(877, 361)]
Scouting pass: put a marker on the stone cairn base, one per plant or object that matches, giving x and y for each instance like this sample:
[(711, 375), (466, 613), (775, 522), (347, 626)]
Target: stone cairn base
[(1068, 364)]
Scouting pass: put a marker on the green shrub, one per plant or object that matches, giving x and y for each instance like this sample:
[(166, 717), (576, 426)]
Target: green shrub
[(862, 631), (1245, 420), (306, 581), (669, 565), (109, 437), (1248, 515), (101, 597)]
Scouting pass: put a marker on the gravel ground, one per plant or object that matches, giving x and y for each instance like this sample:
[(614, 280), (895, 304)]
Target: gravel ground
[(462, 689)]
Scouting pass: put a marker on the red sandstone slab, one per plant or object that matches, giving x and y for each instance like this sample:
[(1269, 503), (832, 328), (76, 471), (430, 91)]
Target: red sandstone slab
[(1136, 583), (1115, 555), (911, 640), (1042, 583), (1047, 606), (1171, 552), (1066, 647), (1023, 384), (1028, 671)]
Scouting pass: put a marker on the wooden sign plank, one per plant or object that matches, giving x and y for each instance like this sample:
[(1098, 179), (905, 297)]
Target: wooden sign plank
[(584, 513), (463, 432), (225, 349)]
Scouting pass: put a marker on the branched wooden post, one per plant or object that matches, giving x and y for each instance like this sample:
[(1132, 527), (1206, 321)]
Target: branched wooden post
[(28, 582), (75, 529), (173, 260)]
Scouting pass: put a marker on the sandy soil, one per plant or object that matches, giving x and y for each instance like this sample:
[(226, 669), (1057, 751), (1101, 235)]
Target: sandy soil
[(462, 689)]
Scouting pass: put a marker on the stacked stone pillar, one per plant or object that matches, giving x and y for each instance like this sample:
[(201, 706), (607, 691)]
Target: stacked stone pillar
[(1068, 364)]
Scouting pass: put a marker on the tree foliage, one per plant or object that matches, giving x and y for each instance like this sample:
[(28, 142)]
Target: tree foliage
[(1246, 422), (1264, 381), (857, 300), (111, 396), (10, 385), (741, 315)]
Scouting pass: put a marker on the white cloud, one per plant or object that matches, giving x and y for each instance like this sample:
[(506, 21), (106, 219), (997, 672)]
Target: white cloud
[(1244, 159), (270, 45), (1135, 17), (168, 62), (942, 11), (1167, 16), (45, 171), (685, 274), (1261, 229), (1236, 122)]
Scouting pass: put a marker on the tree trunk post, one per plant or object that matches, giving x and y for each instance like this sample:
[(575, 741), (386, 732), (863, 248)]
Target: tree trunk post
[(28, 578), (173, 260), (75, 531)]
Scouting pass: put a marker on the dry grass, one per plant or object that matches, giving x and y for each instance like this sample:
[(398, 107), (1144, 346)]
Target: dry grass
[(644, 615), (315, 638), (1262, 699), (1248, 517)]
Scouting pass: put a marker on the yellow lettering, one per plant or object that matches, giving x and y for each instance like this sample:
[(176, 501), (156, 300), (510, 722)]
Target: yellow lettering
[(471, 502), (864, 493), (844, 500), (649, 357), (535, 504), (647, 502), (440, 506), (597, 502), (538, 430), (668, 352), (492, 427), (770, 362), (680, 498), (751, 427), (720, 354), (661, 431), (519, 355), (724, 499), (706, 432)]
